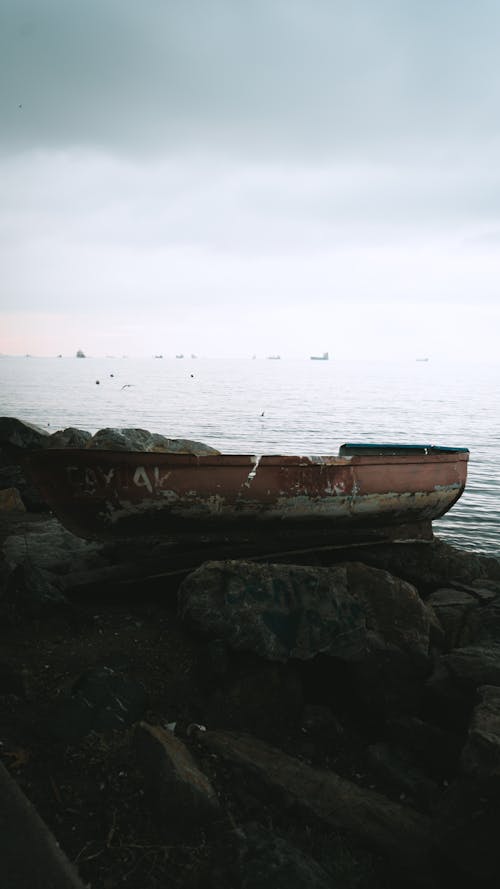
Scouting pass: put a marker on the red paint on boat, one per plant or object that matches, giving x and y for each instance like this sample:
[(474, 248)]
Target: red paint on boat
[(121, 494)]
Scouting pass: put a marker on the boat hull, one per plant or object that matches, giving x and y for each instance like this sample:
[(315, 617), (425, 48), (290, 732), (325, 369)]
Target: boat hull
[(109, 494)]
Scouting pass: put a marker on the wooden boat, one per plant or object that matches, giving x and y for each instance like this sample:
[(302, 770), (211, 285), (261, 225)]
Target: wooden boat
[(367, 492)]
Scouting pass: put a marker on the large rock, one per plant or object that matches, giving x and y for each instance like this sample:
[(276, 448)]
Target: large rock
[(10, 500), (179, 791), (21, 434), (451, 689), (474, 665), (69, 438), (436, 749), (399, 771), (483, 623), (467, 821), (430, 565), (267, 697), (16, 436), (452, 608), (48, 545), (399, 834), (30, 592), (142, 440), (481, 753), (266, 860), (101, 699), (465, 830), (293, 611), (468, 616)]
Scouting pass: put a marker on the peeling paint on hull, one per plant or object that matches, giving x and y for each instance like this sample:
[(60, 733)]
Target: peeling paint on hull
[(118, 494)]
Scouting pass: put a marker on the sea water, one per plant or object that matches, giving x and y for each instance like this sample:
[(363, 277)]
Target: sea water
[(282, 406)]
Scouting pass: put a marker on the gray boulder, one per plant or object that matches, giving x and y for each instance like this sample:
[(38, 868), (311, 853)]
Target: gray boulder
[(294, 611), (453, 608), (142, 440), (465, 831), (10, 501), (481, 753), (431, 565), (21, 434), (451, 689), (467, 820), (399, 771), (474, 665), (46, 544), (266, 696), (468, 616), (266, 860), (69, 438), (180, 793), (16, 436), (437, 750), (397, 833), (30, 592), (101, 699)]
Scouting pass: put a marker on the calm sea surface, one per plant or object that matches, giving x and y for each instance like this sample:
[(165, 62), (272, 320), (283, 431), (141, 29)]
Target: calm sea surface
[(286, 406)]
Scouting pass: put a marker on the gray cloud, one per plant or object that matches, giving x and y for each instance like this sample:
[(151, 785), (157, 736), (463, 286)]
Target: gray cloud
[(193, 158), (278, 76)]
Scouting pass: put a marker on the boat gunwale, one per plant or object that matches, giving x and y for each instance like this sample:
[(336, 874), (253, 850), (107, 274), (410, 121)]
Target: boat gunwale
[(90, 455)]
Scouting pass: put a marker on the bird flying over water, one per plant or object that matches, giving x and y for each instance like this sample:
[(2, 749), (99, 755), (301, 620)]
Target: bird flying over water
[(127, 386)]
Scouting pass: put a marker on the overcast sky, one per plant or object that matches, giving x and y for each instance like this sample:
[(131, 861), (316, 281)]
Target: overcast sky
[(269, 176)]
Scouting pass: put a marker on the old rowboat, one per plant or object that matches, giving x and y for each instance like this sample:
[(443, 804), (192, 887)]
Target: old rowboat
[(375, 491)]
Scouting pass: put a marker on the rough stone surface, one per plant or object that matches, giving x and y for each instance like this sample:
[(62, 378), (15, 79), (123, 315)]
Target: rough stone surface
[(430, 565), (267, 696), (367, 711), (481, 754), (16, 436), (392, 607), (388, 682), (483, 624), (398, 771), (452, 608), (12, 680), (396, 832), (142, 440), (276, 611), (474, 665), (30, 592), (69, 438), (10, 500), (180, 792), (20, 434), (50, 546), (101, 699), (292, 611), (29, 852), (468, 617), (465, 829), (435, 748), (451, 689), (266, 860)]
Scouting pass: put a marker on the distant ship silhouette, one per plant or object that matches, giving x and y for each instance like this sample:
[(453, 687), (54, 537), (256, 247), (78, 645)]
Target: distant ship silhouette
[(324, 357)]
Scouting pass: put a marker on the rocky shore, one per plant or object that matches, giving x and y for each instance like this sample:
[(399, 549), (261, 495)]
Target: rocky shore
[(240, 724)]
